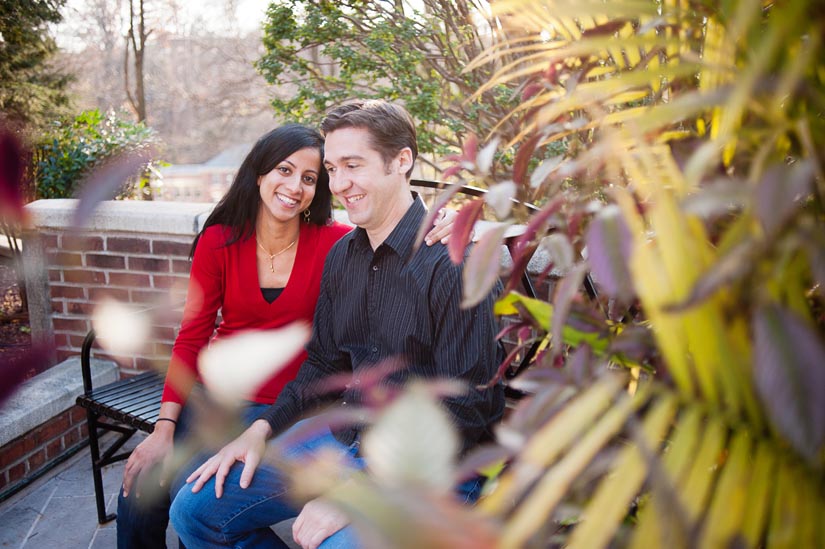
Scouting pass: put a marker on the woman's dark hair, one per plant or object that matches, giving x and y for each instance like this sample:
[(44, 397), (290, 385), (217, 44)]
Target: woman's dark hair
[(238, 209)]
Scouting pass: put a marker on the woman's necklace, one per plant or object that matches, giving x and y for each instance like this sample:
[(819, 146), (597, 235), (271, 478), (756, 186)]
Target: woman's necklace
[(273, 256)]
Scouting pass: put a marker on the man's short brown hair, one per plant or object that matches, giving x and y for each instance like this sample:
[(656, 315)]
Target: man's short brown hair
[(390, 126)]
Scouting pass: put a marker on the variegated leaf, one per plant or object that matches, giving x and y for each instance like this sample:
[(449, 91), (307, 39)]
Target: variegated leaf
[(235, 367), (393, 446), (789, 370), (482, 268), (609, 245)]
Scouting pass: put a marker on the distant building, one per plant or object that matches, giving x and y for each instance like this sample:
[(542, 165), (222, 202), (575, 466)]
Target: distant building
[(206, 182)]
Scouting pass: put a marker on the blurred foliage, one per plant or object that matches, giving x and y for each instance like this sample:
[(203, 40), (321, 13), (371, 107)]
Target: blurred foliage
[(72, 149), (683, 406), (324, 53), (31, 92)]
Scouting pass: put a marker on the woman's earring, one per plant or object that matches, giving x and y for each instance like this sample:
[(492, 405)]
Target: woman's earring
[(306, 215)]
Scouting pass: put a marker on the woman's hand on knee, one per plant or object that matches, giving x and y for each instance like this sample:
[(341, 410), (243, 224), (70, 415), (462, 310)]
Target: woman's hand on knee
[(156, 448), (248, 448)]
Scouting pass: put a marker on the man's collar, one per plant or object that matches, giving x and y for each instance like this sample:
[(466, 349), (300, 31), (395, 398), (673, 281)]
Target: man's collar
[(402, 237)]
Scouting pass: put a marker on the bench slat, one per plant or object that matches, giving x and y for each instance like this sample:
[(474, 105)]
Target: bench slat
[(140, 409), (134, 401), (127, 400), (127, 386)]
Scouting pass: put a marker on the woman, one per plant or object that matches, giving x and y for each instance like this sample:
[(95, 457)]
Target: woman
[(272, 230)]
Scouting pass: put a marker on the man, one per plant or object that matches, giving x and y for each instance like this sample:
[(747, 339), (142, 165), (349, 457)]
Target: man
[(378, 300)]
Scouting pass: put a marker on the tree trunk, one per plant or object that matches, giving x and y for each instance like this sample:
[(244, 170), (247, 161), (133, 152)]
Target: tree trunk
[(136, 42)]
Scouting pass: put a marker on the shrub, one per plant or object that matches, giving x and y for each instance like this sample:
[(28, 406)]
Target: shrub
[(73, 148), (682, 407)]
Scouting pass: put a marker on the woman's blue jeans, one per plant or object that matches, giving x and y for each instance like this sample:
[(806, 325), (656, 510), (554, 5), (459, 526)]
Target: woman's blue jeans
[(241, 517), (142, 522)]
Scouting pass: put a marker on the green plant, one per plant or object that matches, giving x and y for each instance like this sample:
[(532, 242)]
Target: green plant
[(31, 91), (74, 148), (327, 52), (683, 408)]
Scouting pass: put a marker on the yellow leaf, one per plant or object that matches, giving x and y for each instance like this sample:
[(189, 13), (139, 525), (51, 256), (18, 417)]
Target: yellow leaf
[(532, 513), (653, 287), (610, 503), (782, 530), (760, 494), (549, 441), (627, 97), (730, 499), (704, 469), (656, 518)]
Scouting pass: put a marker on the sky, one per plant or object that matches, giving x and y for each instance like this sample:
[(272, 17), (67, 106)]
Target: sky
[(210, 15)]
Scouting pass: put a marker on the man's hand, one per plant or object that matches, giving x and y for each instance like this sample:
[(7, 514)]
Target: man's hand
[(318, 521), (155, 449), (248, 448)]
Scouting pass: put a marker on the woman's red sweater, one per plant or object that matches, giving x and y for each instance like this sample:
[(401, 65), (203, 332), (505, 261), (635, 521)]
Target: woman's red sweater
[(225, 278)]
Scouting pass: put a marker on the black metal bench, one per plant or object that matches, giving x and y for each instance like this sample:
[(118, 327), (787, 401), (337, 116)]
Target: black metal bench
[(130, 405)]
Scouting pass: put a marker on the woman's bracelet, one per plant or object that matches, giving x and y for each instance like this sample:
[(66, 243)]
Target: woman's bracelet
[(167, 419)]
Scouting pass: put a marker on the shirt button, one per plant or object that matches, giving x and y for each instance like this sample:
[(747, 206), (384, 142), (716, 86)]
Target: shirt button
[(375, 267), (374, 349)]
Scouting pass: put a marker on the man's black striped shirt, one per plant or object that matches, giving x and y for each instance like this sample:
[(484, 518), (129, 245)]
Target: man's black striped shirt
[(393, 303)]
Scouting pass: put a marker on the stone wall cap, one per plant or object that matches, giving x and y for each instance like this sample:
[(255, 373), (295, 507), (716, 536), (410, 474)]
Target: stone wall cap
[(139, 216), (49, 394)]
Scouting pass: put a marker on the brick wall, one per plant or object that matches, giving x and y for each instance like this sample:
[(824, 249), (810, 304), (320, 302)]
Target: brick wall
[(133, 252), (145, 270), (28, 454)]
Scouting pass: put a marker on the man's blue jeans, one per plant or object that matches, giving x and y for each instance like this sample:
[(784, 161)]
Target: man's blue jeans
[(241, 517), (142, 522)]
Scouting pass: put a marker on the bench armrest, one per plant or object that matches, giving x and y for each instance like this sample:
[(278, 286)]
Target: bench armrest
[(85, 361)]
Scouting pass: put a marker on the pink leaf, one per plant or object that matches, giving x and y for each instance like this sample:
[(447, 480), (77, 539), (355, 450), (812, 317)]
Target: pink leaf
[(534, 227), (551, 75), (451, 171), (781, 192), (482, 269), (522, 160), (463, 228), (530, 90), (481, 457), (609, 244), (334, 418), (471, 148), (14, 371), (504, 367), (367, 380), (566, 291)]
